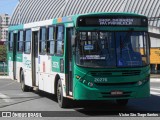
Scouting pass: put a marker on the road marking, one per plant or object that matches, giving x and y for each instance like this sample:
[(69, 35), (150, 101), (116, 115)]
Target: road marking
[(5, 98), (155, 93), (155, 89)]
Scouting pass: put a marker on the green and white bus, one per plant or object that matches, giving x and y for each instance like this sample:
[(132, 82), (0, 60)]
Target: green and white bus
[(96, 56)]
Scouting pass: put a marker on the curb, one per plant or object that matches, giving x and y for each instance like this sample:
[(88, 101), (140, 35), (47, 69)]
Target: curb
[(5, 77)]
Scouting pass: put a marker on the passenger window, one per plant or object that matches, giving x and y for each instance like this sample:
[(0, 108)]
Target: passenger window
[(60, 40), (10, 44), (51, 40), (42, 44), (20, 41), (27, 43)]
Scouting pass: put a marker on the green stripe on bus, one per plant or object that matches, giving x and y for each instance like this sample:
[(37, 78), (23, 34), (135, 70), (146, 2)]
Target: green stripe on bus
[(19, 57), (18, 27)]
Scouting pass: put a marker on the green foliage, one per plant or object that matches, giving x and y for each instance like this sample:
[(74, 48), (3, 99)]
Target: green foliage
[(3, 53)]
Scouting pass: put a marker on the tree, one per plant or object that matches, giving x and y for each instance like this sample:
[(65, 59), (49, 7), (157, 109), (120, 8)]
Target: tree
[(3, 53)]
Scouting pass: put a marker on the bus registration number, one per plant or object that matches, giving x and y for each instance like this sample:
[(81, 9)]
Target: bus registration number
[(116, 92), (100, 80)]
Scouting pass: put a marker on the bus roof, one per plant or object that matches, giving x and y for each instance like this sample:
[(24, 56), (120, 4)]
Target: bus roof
[(66, 19)]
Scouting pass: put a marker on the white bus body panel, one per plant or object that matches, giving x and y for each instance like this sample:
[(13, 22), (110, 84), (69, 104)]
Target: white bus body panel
[(38, 24), (27, 69), (45, 68), (46, 78), (10, 68)]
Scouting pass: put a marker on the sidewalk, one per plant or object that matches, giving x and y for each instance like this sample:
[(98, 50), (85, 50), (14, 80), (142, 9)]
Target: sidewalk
[(5, 77), (155, 76)]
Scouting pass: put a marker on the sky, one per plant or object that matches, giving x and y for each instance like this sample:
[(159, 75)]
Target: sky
[(8, 6)]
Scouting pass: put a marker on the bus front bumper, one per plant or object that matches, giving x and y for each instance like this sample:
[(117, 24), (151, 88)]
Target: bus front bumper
[(82, 92)]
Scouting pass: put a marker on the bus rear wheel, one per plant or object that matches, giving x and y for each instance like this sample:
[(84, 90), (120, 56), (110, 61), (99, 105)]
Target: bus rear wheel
[(24, 87), (61, 100), (122, 102)]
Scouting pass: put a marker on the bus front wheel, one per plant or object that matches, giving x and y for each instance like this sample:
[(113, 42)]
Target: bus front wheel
[(122, 102), (61, 100), (23, 86)]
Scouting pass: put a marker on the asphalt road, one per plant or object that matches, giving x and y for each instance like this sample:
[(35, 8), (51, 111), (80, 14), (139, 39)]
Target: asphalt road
[(13, 99)]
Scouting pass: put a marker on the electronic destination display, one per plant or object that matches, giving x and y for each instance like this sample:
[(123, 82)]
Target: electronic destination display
[(112, 21)]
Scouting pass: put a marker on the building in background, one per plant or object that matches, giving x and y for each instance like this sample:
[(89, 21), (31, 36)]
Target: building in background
[(4, 23)]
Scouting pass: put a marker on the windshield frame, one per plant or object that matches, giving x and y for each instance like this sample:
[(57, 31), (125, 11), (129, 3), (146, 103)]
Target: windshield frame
[(115, 41)]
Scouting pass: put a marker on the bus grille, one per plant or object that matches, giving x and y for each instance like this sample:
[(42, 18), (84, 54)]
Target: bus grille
[(116, 84), (115, 73)]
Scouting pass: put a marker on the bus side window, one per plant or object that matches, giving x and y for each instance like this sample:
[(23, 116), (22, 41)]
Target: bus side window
[(20, 41), (51, 40), (60, 40), (27, 42), (10, 44), (42, 42)]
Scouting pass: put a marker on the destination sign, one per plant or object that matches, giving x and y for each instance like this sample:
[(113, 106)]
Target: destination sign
[(112, 21)]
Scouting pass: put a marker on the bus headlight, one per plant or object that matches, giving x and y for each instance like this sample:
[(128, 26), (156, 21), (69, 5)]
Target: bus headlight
[(140, 83), (90, 84), (78, 77), (143, 81), (84, 81)]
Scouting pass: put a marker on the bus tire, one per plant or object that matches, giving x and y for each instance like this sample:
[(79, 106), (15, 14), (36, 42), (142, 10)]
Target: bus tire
[(122, 102), (61, 100), (24, 87)]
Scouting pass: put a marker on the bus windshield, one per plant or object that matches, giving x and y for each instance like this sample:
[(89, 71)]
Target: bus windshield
[(112, 49)]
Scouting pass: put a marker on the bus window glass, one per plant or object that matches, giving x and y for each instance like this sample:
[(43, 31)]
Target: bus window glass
[(132, 49), (42, 41), (96, 49), (60, 46), (142, 46), (83, 36), (20, 42), (10, 41), (112, 49), (28, 41), (50, 42)]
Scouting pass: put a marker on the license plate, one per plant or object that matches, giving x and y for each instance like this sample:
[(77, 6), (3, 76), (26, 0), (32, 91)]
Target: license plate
[(116, 92)]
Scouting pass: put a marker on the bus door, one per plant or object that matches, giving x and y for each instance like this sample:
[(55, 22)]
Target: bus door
[(34, 58), (15, 39), (69, 80)]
